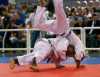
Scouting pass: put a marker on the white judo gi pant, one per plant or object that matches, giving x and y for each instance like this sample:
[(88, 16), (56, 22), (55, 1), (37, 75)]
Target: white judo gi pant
[(42, 50), (77, 43)]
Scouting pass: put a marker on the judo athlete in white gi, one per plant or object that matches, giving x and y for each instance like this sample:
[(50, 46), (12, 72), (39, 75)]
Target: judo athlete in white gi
[(59, 27)]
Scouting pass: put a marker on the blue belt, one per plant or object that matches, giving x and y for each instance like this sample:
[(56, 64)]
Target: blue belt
[(68, 34), (64, 34)]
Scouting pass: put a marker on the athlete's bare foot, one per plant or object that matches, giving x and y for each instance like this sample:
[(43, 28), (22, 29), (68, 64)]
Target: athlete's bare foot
[(78, 64), (12, 64), (34, 65), (34, 68)]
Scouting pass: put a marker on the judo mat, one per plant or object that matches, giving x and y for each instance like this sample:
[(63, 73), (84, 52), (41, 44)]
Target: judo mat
[(49, 70), (91, 68)]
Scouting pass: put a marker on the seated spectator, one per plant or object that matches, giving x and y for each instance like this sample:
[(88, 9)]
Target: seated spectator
[(4, 2), (1, 33), (22, 39), (93, 34), (20, 19), (13, 40)]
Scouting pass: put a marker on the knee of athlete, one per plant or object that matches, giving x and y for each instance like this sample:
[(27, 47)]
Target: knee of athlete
[(79, 55), (39, 59), (79, 48)]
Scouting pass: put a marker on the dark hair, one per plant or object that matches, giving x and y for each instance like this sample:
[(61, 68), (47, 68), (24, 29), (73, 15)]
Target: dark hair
[(32, 9), (94, 9), (2, 9), (73, 10), (94, 14), (50, 6)]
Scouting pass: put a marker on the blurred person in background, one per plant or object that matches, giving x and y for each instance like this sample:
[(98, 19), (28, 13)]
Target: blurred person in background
[(4, 2), (1, 33), (93, 35), (29, 22)]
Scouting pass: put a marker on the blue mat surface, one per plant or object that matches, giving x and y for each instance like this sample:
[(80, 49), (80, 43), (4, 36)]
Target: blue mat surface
[(87, 60)]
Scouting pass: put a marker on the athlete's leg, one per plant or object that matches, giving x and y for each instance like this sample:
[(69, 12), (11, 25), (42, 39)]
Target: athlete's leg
[(60, 16), (61, 47), (41, 50), (79, 48)]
